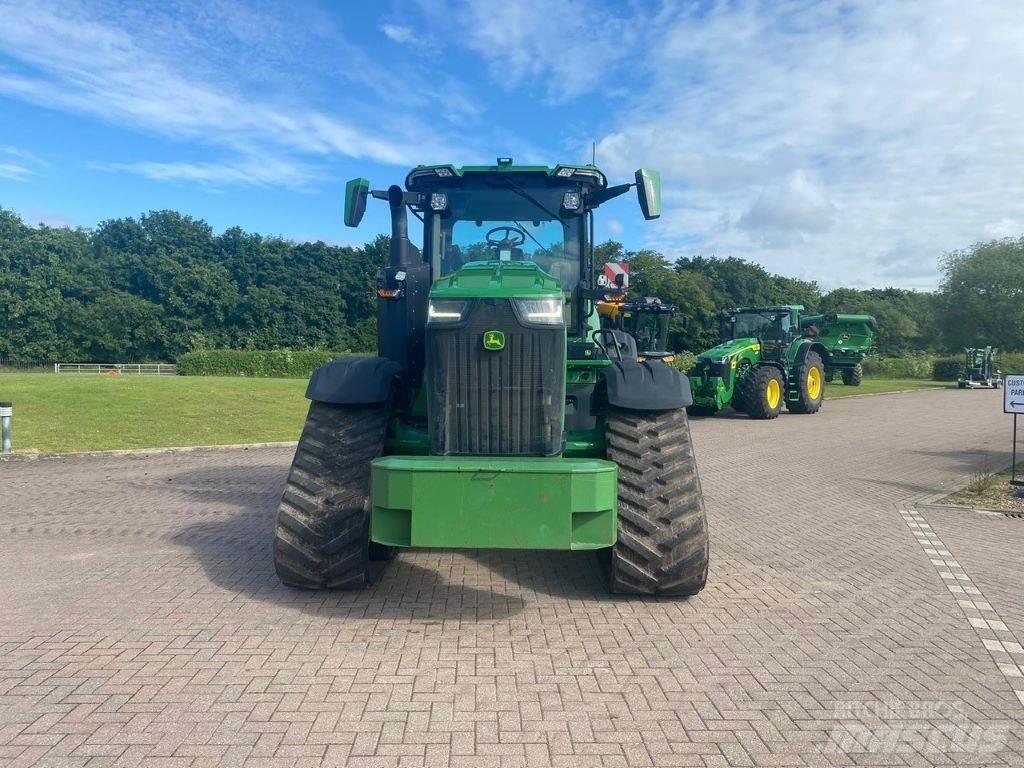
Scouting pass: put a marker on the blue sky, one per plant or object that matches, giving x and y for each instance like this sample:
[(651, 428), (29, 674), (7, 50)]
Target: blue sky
[(848, 142)]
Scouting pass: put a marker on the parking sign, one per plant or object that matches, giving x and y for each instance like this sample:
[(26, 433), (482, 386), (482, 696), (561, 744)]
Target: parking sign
[(1013, 394)]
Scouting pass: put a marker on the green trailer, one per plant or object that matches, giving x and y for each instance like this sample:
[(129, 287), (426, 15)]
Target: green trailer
[(772, 357), (847, 340), (497, 411)]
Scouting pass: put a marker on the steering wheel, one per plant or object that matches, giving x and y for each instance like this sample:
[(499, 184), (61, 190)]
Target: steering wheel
[(514, 237)]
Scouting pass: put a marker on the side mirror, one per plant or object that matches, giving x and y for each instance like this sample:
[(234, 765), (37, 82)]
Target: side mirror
[(356, 192), (648, 191)]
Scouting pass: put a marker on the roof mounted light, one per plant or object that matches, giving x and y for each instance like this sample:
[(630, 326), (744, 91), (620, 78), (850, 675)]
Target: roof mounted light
[(571, 201), (444, 172), (565, 173), (504, 162)]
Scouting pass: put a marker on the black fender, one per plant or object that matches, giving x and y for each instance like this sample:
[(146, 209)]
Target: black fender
[(647, 386), (777, 366), (353, 381), (810, 346)]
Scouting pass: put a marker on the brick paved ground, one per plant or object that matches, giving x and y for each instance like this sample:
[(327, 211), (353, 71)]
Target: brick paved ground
[(141, 623)]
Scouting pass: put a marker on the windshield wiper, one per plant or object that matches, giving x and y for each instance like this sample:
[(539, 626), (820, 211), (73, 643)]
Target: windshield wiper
[(530, 235), (527, 196)]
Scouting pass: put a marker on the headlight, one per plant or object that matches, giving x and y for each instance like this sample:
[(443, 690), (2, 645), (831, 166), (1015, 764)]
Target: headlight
[(543, 311), (446, 310)]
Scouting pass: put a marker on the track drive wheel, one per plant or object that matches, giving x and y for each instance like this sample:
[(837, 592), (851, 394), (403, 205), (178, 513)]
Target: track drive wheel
[(810, 381), (662, 546), (762, 392), (322, 536)]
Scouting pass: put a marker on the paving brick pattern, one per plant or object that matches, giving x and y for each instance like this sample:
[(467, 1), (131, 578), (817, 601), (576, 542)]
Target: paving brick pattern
[(141, 622)]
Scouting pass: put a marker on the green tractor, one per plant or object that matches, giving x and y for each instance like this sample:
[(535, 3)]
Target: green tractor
[(497, 412), (980, 369), (772, 357)]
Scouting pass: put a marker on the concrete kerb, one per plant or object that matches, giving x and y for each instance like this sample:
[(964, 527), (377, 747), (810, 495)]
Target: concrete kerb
[(31, 455)]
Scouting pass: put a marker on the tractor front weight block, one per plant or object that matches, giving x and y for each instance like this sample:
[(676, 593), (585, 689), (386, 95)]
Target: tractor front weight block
[(482, 502)]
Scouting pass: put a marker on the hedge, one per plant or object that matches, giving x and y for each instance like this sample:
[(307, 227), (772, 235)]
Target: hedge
[(280, 363), (951, 368), (913, 366), (684, 361)]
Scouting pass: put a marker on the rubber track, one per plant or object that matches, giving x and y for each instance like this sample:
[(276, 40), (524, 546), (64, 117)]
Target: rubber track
[(662, 544), (321, 538)]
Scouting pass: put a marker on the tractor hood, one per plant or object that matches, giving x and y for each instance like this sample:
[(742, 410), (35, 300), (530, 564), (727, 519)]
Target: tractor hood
[(500, 279), (728, 349)]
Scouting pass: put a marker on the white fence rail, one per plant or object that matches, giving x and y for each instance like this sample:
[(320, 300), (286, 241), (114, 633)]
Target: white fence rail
[(118, 369)]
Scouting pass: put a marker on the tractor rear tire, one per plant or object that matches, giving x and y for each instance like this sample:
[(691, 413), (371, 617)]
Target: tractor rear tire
[(755, 390), (663, 545), (810, 381), (852, 377), (322, 536)]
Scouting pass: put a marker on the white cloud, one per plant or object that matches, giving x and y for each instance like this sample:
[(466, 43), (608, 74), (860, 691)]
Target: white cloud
[(14, 171), (614, 226), (398, 33), (260, 171), (18, 164), (561, 49), (850, 142), (79, 64)]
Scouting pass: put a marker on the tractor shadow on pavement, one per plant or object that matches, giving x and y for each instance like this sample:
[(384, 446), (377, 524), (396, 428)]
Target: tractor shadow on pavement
[(233, 546), (232, 542)]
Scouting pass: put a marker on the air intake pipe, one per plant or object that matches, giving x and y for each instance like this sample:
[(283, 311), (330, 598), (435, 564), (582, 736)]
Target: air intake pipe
[(403, 252), (403, 287)]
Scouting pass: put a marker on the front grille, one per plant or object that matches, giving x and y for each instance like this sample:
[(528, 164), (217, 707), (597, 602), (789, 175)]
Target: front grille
[(495, 403)]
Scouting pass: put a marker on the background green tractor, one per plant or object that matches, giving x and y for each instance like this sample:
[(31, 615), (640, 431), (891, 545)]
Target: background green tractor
[(498, 413), (772, 357), (980, 369), (763, 363)]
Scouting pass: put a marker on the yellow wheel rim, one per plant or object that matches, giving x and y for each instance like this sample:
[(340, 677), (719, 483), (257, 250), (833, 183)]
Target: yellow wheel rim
[(814, 383), (774, 393)]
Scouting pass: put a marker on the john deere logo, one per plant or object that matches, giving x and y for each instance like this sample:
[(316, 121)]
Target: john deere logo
[(494, 340)]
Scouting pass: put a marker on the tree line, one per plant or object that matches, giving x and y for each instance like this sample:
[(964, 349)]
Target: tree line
[(157, 286)]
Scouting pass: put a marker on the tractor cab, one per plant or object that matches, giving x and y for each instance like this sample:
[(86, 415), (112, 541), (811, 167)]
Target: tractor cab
[(773, 327), (647, 320)]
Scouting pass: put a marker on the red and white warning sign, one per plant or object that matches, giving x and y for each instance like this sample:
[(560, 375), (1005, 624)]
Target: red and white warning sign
[(613, 269)]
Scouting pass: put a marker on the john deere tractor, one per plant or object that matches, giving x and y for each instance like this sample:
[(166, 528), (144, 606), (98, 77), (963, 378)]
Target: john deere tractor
[(645, 320), (497, 412)]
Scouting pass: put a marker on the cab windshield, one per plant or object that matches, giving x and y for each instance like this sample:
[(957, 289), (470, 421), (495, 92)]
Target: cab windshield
[(760, 325), (650, 329), (497, 224)]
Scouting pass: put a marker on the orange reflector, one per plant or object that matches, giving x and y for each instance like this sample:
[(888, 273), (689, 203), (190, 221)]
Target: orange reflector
[(387, 294)]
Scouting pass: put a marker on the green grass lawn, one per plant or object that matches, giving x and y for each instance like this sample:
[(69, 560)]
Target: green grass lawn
[(879, 386), (55, 414), (93, 413)]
